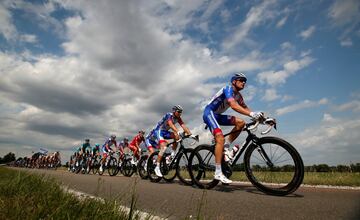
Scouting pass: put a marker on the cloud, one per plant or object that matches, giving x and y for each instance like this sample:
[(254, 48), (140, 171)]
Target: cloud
[(353, 105), (271, 95), (333, 141), (28, 38), (281, 22), (289, 68), (308, 32), (256, 16), (301, 105), (346, 42), (7, 29), (345, 15), (345, 12)]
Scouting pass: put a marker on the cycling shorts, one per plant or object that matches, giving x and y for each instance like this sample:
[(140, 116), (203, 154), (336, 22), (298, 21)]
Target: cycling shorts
[(213, 120)]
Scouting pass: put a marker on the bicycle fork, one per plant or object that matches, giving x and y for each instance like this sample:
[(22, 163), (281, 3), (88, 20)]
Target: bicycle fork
[(264, 155)]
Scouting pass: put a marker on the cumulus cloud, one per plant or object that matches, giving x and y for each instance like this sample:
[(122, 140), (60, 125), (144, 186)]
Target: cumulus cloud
[(346, 42), (289, 68), (305, 34), (256, 16), (333, 141), (122, 70), (301, 105)]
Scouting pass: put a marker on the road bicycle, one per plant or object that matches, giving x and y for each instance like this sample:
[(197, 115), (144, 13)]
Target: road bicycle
[(176, 166), (271, 164), (110, 164)]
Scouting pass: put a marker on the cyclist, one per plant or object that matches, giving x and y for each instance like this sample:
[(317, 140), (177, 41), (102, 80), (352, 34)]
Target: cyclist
[(135, 145), (228, 96), (106, 148), (95, 151), (85, 150), (161, 132)]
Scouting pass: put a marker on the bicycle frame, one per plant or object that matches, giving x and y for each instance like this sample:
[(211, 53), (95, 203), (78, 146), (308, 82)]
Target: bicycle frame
[(251, 138)]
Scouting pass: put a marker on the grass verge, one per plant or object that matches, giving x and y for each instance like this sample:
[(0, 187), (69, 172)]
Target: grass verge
[(29, 196)]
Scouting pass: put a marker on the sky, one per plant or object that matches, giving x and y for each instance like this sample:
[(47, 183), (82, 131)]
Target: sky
[(80, 69)]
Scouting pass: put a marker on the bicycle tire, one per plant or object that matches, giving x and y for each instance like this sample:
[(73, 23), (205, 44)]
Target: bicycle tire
[(95, 166), (256, 177), (182, 167), (112, 166), (141, 167), (151, 166), (202, 173), (127, 168)]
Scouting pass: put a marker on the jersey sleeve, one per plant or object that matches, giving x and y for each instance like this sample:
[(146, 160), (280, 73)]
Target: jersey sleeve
[(180, 121), (228, 92), (241, 101)]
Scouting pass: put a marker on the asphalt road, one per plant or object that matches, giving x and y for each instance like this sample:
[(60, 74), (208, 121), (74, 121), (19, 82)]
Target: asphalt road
[(237, 201)]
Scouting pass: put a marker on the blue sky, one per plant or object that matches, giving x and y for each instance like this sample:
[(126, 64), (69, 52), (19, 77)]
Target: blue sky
[(76, 69)]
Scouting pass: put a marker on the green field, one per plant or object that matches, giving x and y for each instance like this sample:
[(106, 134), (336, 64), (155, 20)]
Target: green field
[(25, 196), (310, 178)]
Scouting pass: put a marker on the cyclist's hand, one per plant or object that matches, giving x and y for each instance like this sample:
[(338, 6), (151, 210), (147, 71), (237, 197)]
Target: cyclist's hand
[(257, 115)]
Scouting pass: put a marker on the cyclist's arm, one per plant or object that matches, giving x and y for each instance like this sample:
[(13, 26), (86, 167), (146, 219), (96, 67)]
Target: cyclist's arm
[(173, 127), (186, 129), (238, 108)]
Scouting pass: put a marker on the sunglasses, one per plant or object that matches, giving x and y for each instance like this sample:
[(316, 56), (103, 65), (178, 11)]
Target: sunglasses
[(242, 80)]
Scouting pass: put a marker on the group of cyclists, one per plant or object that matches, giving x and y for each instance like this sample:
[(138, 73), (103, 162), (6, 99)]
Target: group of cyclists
[(165, 130)]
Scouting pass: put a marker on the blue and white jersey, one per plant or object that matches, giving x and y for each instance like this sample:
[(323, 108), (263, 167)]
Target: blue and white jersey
[(220, 102), (163, 125)]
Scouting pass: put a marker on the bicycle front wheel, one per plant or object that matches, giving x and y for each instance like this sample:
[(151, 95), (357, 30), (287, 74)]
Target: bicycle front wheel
[(112, 166), (142, 167), (274, 166), (182, 167), (202, 166)]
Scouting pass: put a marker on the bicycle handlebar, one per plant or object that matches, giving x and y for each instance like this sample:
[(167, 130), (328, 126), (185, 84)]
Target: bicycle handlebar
[(271, 122)]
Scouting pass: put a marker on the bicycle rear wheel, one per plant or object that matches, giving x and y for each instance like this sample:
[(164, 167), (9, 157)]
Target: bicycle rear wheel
[(274, 166), (151, 167), (182, 167), (202, 166)]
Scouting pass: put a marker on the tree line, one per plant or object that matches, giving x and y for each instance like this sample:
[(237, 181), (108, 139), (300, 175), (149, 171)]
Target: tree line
[(353, 167)]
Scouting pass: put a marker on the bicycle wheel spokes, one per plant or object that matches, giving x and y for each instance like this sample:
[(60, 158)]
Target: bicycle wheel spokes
[(274, 166), (112, 166), (182, 167), (202, 167)]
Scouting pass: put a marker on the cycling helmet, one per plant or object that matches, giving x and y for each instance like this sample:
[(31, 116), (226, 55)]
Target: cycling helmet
[(238, 76), (177, 108), (126, 139), (87, 140), (113, 136), (97, 145), (141, 132)]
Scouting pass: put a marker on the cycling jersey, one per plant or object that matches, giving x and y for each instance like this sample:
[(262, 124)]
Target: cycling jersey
[(137, 140), (220, 102), (86, 148), (109, 143), (163, 123), (218, 105), (95, 150), (161, 130)]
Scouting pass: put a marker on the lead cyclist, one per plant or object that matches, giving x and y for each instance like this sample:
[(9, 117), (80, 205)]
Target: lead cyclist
[(228, 96)]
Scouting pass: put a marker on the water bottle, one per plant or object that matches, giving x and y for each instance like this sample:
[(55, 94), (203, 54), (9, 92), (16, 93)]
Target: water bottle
[(235, 149)]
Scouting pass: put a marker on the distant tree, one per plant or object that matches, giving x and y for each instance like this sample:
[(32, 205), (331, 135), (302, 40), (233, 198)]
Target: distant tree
[(8, 158), (355, 167), (322, 168), (342, 168)]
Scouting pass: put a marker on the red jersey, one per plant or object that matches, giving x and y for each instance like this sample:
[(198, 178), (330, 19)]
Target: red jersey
[(137, 140)]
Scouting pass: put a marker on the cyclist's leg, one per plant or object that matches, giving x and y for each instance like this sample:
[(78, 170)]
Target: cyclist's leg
[(211, 121), (134, 149), (229, 120)]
